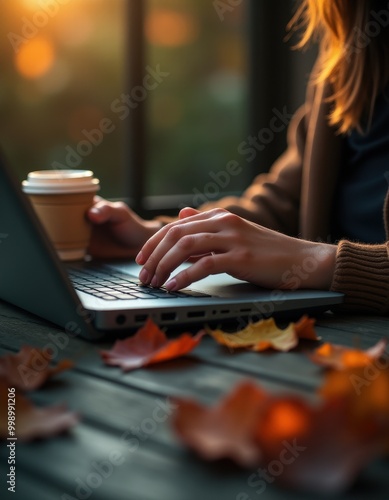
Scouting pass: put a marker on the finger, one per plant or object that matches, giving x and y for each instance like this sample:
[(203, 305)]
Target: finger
[(199, 244), (210, 264), (175, 233), (105, 211), (158, 246), (188, 212)]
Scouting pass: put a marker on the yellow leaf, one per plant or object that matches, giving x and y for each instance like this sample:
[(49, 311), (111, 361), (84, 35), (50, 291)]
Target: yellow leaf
[(263, 335)]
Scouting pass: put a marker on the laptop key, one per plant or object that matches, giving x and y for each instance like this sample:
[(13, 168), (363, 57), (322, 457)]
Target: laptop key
[(141, 295)]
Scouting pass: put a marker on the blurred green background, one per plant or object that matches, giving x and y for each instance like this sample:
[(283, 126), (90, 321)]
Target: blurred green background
[(63, 65)]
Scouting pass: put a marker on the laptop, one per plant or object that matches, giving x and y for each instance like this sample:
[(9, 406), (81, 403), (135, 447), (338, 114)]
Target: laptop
[(95, 298)]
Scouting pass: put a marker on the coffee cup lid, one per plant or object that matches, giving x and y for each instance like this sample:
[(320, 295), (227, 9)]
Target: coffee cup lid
[(60, 182)]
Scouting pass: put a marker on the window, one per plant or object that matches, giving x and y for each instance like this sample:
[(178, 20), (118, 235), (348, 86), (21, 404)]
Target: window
[(62, 69), (65, 75), (198, 114)]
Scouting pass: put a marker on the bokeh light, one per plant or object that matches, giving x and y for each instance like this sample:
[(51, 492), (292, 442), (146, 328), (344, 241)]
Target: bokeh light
[(170, 28), (35, 58)]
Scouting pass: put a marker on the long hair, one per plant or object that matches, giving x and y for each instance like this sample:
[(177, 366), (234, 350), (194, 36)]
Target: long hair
[(353, 54)]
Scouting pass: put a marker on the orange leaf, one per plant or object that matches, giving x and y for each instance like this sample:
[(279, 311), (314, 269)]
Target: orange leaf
[(32, 422), (365, 389), (341, 357), (148, 346), (225, 430), (319, 447), (266, 335), (314, 448), (304, 328), (29, 368)]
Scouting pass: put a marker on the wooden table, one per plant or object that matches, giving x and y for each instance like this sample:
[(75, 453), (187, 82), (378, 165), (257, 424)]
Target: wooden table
[(125, 419)]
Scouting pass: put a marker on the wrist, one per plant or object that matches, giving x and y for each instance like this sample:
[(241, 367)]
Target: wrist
[(321, 261)]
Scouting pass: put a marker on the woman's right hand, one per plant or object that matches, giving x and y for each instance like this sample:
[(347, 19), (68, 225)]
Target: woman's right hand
[(117, 231)]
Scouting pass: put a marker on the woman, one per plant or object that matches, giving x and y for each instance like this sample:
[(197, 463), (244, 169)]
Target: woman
[(320, 217)]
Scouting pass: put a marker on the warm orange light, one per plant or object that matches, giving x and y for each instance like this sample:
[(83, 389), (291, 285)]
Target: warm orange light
[(354, 359), (33, 4), (170, 29), (35, 58), (286, 419)]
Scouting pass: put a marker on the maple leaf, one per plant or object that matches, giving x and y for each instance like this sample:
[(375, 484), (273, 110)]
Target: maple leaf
[(319, 447), (33, 422), (366, 391), (149, 346), (315, 448), (341, 357), (225, 430), (265, 334), (29, 368)]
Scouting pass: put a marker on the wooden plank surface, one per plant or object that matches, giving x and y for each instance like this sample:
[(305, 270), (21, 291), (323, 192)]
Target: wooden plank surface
[(117, 410)]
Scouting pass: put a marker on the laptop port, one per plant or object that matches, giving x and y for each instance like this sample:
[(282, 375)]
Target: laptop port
[(121, 319), (140, 318), (196, 314), (170, 316)]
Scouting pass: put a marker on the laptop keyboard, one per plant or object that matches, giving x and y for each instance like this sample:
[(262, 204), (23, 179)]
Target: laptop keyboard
[(114, 285)]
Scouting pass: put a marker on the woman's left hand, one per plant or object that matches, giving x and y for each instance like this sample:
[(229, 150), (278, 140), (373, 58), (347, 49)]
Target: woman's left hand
[(223, 242)]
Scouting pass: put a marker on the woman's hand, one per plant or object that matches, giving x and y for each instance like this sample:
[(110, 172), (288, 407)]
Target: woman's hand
[(117, 232), (223, 242)]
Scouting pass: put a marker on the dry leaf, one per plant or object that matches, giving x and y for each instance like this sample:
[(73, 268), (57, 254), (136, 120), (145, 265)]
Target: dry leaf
[(319, 448), (29, 368), (148, 346), (315, 448), (33, 422), (225, 430), (265, 334), (366, 391), (341, 357)]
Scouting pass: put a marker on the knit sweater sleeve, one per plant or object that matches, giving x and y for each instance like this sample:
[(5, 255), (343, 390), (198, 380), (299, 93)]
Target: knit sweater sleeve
[(362, 274)]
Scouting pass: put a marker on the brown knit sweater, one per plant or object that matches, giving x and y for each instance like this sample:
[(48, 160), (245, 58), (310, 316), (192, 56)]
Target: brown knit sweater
[(296, 196)]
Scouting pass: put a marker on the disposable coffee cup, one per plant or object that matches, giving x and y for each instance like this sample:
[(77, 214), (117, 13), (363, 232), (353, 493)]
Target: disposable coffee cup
[(61, 199)]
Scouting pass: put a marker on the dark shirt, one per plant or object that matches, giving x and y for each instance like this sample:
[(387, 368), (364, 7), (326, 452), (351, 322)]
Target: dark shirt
[(364, 181)]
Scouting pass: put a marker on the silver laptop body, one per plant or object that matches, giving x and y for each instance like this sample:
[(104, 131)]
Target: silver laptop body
[(33, 278)]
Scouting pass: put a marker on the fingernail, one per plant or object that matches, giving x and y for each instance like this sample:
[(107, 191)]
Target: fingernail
[(138, 258), (154, 281), (171, 285), (95, 211), (144, 276)]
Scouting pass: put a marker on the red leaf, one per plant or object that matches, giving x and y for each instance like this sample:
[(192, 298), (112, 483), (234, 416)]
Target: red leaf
[(314, 448), (341, 357), (33, 422), (318, 448), (224, 431), (29, 368), (148, 346)]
